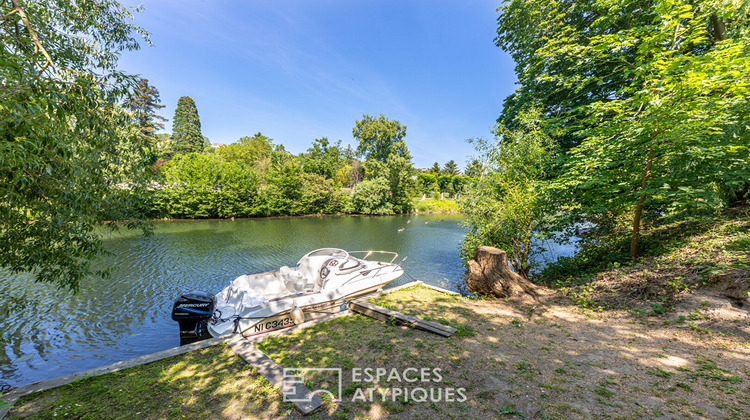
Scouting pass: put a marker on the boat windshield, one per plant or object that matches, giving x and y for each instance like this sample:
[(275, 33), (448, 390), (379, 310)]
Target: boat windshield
[(329, 252)]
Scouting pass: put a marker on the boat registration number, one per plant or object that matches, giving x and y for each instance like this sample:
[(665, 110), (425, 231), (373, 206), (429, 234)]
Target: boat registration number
[(273, 325)]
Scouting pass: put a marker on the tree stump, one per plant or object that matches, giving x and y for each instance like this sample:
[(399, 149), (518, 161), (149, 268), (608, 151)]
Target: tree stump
[(490, 274)]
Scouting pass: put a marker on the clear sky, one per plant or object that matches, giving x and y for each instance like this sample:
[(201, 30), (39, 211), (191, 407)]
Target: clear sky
[(297, 70)]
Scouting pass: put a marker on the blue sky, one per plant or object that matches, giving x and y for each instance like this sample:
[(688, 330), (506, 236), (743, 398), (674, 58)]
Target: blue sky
[(299, 70)]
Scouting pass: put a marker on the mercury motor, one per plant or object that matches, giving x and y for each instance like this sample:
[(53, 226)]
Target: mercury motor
[(192, 310)]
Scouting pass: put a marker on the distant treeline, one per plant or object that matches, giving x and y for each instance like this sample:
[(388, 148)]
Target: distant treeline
[(255, 177)]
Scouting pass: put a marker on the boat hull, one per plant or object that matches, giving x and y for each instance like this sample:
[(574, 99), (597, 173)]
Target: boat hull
[(276, 315), (259, 303)]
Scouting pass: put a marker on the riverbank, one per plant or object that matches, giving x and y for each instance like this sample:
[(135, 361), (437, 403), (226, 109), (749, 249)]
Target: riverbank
[(426, 206), (436, 206), (554, 360)]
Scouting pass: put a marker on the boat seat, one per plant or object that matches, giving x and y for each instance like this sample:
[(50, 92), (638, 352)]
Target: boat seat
[(293, 280), (310, 272), (266, 284)]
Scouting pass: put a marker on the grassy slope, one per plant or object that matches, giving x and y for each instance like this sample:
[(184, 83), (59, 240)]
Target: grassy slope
[(431, 205), (705, 255)]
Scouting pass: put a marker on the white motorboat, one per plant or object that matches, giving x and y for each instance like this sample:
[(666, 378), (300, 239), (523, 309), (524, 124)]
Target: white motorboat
[(253, 304)]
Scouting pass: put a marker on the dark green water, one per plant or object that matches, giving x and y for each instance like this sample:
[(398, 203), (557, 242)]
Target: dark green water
[(129, 315)]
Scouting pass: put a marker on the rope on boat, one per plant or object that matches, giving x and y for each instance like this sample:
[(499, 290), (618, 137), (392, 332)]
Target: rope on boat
[(5, 388)]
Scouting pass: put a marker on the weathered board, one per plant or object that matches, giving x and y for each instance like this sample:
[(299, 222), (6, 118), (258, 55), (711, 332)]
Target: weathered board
[(304, 400), (383, 314)]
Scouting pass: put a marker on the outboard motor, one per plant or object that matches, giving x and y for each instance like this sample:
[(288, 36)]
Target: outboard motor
[(192, 310)]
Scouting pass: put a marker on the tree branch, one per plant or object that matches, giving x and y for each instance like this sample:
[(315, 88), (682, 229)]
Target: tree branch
[(38, 47)]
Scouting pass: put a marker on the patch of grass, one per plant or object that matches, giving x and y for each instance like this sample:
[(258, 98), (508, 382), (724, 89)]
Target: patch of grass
[(658, 371), (436, 205), (708, 369), (601, 388), (509, 409), (464, 331)]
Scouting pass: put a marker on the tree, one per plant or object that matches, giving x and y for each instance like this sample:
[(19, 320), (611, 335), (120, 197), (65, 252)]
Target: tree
[(544, 38), (283, 191), (249, 150), (70, 160), (474, 169), (323, 158), (143, 104), (645, 97), (186, 129), (397, 171), (451, 168), (202, 185), (428, 183), (371, 197), (435, 170), (380, 137), (508, 207)]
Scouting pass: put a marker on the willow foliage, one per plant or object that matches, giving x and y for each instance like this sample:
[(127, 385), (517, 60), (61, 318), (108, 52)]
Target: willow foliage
[(70, 160)]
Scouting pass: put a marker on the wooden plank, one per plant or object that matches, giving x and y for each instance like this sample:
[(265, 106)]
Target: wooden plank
[(438, 326), (304, 400), (428, 328), (383, 314)]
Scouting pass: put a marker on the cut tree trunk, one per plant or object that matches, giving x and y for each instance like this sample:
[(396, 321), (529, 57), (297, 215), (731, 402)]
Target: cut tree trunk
[(490, 274)]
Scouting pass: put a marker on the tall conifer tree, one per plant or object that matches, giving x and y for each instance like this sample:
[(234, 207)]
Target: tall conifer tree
[(186, 131), (144, 103)]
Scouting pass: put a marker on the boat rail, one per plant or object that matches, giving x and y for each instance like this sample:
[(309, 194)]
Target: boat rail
[(368, 253), (377, 270)]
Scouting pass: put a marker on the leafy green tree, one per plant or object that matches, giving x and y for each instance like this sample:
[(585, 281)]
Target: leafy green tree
[(398, 172), (253, 151), (646, 98), (283, 189), (667, 144), (545, 40), (443, 182), (380, 137), (143, 104), (323, 159), (435, 170), (459, 183), (70, 160), (371, 197), (202, 186), (319, 195), (427, 183), (450, 168), (186, 128), (474, 169), (507, 209)]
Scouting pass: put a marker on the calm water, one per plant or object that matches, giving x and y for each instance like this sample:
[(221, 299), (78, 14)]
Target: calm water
[(129, 315)]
